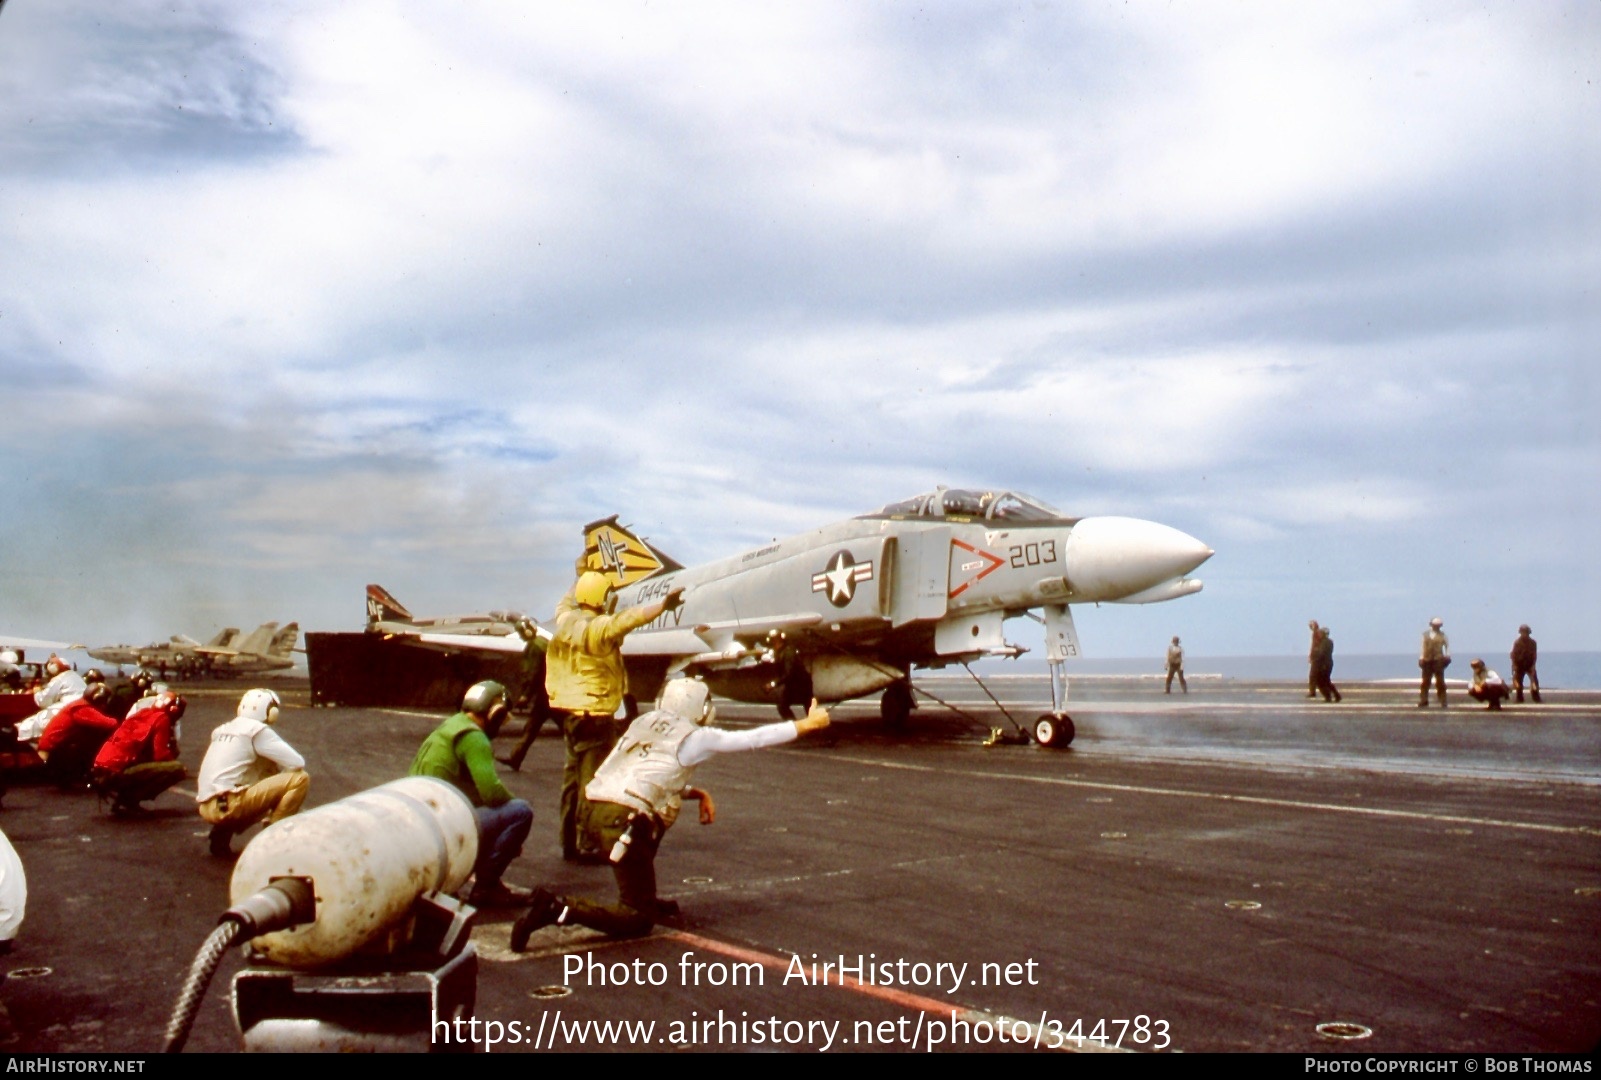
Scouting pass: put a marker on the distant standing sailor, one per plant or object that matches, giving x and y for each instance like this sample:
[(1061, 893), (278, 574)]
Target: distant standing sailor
[(1311, 660), (1175, 666), (1524, 652), (1432, 661), (1323, 666)]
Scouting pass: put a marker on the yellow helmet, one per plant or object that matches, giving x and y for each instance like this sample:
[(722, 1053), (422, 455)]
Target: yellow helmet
[(592, 589)]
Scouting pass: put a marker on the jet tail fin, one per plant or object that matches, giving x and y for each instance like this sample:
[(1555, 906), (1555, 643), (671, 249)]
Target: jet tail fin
[(614, 550), (383, 607), (225, 637), (283, 642), (258, 640)]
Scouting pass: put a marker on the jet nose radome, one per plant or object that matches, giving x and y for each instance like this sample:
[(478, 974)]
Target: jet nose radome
[(1112, 557)]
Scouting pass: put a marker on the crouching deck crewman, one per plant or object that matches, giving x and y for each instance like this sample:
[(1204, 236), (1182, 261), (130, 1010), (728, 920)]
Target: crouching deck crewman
[(249, 773), (459, 751), (635, 797)]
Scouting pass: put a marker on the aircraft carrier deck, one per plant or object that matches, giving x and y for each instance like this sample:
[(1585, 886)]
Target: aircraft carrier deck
[(1223, 870)]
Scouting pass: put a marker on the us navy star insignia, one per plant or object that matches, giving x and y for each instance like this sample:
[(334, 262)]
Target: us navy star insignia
[(840, 576)]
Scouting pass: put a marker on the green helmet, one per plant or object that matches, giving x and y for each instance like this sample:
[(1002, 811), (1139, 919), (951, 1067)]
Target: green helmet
[(481, 698)]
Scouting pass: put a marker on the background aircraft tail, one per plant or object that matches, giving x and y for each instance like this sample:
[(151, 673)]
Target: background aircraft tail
[(259, 639), (382, 607), (614, 550), (224, 639), (283, 642)]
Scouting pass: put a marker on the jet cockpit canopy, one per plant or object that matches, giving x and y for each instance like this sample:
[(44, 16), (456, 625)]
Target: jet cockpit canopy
[(1012, 507)]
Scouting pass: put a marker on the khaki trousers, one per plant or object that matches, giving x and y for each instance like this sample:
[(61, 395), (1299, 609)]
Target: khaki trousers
[(274, 798)]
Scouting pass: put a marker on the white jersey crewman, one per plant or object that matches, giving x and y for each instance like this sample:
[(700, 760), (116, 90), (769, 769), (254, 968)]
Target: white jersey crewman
[(249, 772), (636, 796), (65, 686)]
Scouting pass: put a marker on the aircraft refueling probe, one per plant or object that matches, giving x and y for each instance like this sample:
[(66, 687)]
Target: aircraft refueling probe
[(360, 885)]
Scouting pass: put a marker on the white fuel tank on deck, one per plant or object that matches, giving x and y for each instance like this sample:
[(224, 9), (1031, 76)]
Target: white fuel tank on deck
[(369, 857)]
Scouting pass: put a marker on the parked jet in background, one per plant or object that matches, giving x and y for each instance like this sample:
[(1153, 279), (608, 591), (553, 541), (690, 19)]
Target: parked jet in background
[(265, 649), (852, 608), (178, 654), (493, 631)]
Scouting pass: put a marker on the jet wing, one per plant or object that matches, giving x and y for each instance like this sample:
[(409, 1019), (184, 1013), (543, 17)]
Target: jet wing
[(504, 643), (12, 649), (491, 643), (32, 642)]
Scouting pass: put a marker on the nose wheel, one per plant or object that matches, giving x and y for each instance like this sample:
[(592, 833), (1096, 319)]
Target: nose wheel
[(1054, 730)]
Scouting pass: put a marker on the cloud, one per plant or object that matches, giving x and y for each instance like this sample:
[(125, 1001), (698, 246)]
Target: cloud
[(298, 291)]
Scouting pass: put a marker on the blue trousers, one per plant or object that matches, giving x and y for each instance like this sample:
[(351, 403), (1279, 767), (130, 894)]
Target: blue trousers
[(501, 832)]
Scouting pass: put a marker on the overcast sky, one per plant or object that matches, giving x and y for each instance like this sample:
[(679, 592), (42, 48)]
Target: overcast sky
[(297, 296)]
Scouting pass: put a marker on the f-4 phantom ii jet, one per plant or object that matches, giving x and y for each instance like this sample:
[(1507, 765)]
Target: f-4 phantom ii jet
[(852, 608)]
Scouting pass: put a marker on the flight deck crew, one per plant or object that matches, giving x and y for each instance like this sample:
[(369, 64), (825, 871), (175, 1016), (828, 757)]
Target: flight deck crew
[(65, 686), (1524, 654), (636, 796), (75, 735), (1323, 666), (126, 693), (1175, 666), (533, 691), (1311, 659), (249, 773), (1432, 662), (586, 680), (1487, 686), (459, 752), (140, 759)]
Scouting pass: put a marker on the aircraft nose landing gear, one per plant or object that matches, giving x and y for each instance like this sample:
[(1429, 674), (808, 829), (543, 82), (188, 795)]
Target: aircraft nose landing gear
[(1054, 730)]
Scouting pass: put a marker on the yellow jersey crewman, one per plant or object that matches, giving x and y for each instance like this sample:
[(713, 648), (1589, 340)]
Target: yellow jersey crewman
[(586, 680)]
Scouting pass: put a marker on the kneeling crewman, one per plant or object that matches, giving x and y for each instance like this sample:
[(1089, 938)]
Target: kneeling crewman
[(140, 759), (635, 798), (249, 772), (459, 751)]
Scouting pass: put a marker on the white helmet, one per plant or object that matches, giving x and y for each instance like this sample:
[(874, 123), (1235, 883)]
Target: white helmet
[(689, 699), (259, 705)]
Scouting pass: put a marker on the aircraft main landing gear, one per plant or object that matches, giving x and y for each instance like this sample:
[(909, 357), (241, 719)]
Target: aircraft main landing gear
[(896, 704), (1054, 730)]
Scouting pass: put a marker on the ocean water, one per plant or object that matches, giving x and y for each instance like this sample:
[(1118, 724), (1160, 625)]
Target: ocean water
[(1558, 670)]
